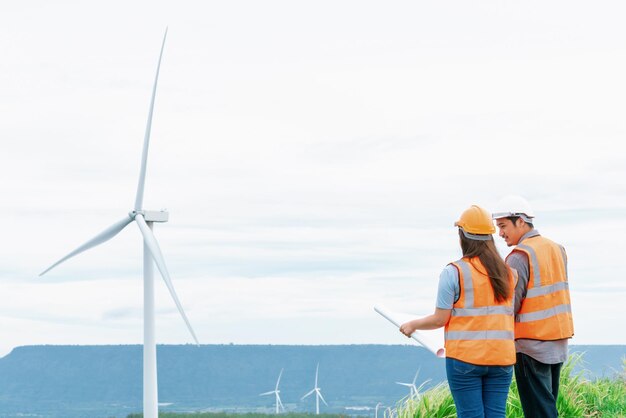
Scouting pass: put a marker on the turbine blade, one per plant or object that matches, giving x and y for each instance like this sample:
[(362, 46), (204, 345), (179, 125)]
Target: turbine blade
[(416, 374), (404, 384), (103, 236), (422, 385), (146, 139), (155, 251), (308, 394), (266, 393), (278, 381), (280, 403), (316, 370), (321, 397)]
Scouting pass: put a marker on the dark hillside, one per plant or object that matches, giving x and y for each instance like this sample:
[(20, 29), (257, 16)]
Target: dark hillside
[(69, 381)]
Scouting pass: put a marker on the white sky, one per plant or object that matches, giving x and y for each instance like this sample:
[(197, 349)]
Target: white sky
[(313, 157)]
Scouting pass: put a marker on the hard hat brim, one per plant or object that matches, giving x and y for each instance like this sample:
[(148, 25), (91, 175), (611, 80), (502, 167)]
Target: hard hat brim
[(500, 215), (476, 237)]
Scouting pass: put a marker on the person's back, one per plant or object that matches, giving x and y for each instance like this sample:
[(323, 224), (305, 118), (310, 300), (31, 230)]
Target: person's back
[(543, 321), (481, 328), (475, 304), (545, 311)]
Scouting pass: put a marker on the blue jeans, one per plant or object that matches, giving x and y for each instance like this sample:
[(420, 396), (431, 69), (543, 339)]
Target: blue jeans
[(478, 391)]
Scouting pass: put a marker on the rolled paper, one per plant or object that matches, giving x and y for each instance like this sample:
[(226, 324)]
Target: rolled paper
[(434, 345)]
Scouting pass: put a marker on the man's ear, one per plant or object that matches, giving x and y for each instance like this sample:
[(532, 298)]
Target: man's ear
[(519, 222)]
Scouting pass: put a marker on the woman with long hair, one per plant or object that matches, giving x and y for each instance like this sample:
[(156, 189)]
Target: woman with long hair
[(475, 304)]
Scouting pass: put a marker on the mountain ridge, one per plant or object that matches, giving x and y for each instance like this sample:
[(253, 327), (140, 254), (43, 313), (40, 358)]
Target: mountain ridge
[(69, 380)]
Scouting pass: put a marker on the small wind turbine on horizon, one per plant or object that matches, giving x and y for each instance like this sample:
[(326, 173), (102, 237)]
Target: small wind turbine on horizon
[(411, 386), (318, 394), (414, 390), (279, 404), (151, 255)]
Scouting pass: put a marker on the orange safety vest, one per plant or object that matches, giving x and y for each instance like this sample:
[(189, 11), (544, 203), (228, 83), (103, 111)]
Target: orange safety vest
[(480, 329), (545, 313)]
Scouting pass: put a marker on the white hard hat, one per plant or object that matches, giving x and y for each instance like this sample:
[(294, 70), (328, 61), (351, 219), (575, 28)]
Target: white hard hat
[(513, 205)]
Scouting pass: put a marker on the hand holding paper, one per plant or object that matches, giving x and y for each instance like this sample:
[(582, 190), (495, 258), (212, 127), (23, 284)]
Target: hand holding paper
[(407, 328), (431, 340)]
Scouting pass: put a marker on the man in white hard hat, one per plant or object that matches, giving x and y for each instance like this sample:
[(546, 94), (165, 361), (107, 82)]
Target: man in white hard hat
[(543, 317)]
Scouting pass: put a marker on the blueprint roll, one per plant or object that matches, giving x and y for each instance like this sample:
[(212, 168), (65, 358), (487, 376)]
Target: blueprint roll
[(430, 340)]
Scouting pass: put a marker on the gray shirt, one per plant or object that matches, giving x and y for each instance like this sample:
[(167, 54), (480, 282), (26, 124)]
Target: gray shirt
[(547, 352)]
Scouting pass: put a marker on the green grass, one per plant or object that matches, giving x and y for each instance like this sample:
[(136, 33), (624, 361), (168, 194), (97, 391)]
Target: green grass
[(578, 397), (232, 415)]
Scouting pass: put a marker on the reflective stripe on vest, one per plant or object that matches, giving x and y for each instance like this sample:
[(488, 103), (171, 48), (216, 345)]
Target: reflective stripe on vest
[(533, 261), (544, 290), (545, 312), (486, 310), (479, 335), (480, 330), (468, 284)]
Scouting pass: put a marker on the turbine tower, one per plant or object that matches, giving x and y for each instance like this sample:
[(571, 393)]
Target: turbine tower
[(279, 404), (151, 255), (318, 394)]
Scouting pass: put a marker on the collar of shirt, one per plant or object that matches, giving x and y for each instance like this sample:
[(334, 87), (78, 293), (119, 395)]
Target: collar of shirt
[(532, 233)]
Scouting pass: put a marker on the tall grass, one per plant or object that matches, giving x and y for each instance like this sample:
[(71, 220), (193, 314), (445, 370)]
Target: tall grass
[(578, 397), (231, 415), (435, 403)]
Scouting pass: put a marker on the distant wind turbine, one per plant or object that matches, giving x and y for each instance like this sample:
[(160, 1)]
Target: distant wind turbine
[(151, 254), (414, 390), (318, 394), (279, 404), (411, 386)]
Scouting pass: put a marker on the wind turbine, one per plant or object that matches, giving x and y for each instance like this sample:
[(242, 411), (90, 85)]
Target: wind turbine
[(318, 394), (414, 391), (411, 386), (151, 255), (279, 404)]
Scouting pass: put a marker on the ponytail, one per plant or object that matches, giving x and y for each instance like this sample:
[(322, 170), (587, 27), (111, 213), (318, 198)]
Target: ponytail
[(497, 270)]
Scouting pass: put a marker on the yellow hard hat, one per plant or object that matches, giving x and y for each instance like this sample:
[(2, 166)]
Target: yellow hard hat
[(476, 223)]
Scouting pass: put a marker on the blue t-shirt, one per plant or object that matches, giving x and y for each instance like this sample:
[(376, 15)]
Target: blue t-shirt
[(449, 290)]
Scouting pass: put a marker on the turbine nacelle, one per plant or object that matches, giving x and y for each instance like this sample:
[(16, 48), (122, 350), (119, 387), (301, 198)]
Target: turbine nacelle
[(151, 215)]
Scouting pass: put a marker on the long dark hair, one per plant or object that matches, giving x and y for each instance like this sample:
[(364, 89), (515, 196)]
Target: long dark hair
[(497, 270)]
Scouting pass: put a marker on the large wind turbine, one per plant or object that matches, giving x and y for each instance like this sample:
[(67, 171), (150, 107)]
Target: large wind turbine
[(151, 254), (279, 404), (318, 394)]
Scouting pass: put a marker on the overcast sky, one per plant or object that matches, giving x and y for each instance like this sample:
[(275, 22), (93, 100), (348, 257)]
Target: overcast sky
[(313, 157)]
